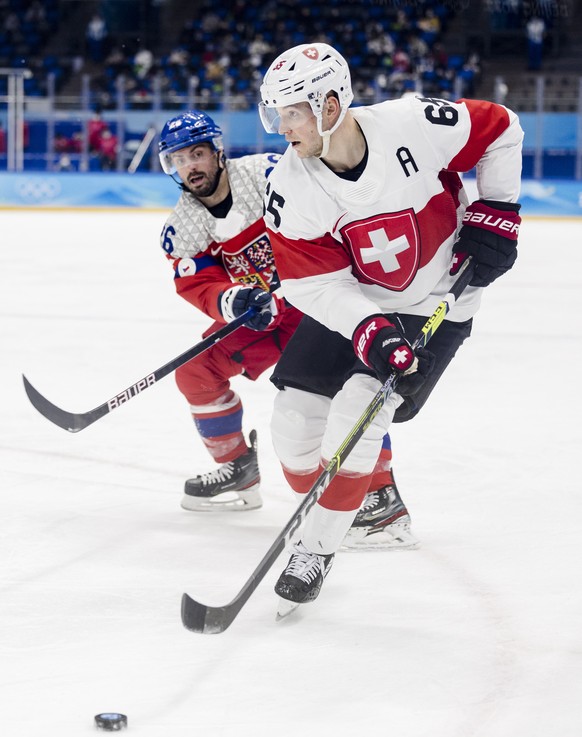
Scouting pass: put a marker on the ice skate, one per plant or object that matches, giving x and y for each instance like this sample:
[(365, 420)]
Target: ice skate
[(285, 608), (383, 523), (301, 581), (234, 486)]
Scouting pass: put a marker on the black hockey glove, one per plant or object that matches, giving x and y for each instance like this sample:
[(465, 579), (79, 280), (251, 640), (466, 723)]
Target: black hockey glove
[(237, 300), (488, 234), (380, 343)]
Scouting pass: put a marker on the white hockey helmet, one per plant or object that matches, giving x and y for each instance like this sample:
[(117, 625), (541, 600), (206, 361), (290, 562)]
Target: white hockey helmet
[(305, 73)]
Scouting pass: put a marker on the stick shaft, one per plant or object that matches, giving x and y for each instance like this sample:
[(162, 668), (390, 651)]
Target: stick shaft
[(74, 422)]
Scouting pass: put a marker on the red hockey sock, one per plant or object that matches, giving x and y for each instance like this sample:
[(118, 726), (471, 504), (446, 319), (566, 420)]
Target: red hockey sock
[(382, 475), (345, 491)]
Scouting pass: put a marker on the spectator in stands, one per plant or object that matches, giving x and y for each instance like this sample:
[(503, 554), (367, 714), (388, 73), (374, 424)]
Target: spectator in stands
[(108, 150), (417, 47), (471, 74), (258, 48), (76, 143), (96, 36), (143, 62), (401, 25), (401, 70), (430, 25), (62, 144), (63, 147), (95, 129), (214, 71), (536, 31), (178, 57), (380, 42)]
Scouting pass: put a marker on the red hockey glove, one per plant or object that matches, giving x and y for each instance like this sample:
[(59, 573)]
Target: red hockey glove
[(380, 343), (237, 300), (488, 234)]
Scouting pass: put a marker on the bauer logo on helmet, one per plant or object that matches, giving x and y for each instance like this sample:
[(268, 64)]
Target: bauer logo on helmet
[(321, 76)]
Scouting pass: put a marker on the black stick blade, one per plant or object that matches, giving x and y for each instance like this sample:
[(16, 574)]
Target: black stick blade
[(67, 420), (210, 620), (207, 620)]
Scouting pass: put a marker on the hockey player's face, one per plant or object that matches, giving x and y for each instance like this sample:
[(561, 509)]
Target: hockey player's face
[(198, 168), (299, 126)]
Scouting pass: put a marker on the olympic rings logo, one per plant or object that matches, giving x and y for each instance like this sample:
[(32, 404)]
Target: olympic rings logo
[(38, 190)]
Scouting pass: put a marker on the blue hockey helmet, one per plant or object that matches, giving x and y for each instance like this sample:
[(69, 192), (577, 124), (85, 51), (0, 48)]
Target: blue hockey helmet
[(185, 130)]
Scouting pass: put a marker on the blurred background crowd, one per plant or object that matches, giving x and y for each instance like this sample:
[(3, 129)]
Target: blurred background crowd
[(167, 54), (392, 46)]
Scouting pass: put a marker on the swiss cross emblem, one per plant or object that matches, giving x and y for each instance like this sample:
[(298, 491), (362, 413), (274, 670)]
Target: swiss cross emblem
[(385, 248), (311, 53)]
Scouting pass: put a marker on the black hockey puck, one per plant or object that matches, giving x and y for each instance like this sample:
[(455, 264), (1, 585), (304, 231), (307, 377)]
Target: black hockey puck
[(110, 722)]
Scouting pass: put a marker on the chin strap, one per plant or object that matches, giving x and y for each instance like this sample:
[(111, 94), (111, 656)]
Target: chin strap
[(326, 138), (326, 135)]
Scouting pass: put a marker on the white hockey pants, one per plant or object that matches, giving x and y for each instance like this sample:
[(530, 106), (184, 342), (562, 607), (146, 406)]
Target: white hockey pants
[(308, 429)]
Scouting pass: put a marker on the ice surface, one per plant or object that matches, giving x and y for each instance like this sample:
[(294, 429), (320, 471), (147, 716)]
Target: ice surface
[(476, 634)]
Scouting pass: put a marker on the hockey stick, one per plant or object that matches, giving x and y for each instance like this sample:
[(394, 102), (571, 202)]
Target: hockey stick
[(205, 619), (73, 422)]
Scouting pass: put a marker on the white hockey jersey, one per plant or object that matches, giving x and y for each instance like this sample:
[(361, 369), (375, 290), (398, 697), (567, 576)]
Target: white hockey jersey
[(346, 250)]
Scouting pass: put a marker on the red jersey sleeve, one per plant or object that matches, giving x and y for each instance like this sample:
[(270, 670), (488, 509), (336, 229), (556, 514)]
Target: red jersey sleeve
[(200, 281), (488, 122)]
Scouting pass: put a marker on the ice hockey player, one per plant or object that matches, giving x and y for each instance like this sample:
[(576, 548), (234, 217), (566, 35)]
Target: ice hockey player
[(369, 223), (223, 264)]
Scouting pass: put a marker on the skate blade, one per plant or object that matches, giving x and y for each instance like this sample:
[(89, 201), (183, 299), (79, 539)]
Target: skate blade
[(230, 501), (383, 544), (381, 541), (285, 608)]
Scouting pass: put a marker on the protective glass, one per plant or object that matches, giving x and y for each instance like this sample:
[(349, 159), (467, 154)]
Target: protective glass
[(281, 119), (175, 160)]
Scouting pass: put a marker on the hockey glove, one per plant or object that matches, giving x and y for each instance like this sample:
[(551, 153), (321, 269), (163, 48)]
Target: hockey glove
[(488, 234), (379, 342), (237, 300)]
